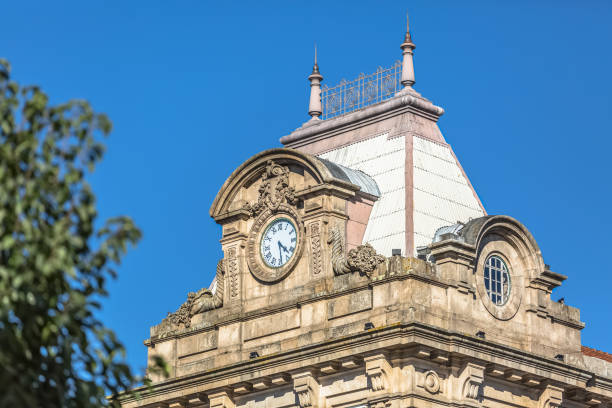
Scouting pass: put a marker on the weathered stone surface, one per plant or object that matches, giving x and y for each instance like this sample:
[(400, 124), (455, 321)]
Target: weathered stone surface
[(349, 304), (274, 323)]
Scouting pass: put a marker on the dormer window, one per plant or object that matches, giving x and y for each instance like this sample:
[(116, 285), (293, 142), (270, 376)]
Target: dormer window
[(497, 280)]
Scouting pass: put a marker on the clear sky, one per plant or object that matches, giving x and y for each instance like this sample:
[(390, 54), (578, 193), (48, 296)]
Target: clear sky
[(194, 88)]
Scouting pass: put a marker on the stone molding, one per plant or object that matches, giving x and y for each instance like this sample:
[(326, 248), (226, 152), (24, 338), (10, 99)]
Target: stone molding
[(461, 347), (393, 106), (306, 387), (223, 208)]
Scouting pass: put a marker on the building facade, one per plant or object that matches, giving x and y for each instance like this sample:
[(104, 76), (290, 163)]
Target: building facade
[(360, 269)]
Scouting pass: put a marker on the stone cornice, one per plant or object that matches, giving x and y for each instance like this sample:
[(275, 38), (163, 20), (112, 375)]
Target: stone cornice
[(391, 107), (398, 337)]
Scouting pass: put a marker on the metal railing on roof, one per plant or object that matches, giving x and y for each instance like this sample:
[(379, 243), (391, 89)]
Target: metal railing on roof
[(365, 90)]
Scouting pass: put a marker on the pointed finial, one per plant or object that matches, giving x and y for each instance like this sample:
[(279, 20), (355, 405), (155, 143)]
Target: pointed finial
[(315, 68), (407, 38), (407, 64), (314, 106)]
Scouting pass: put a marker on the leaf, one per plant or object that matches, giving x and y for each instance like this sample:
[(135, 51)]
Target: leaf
[(54, 262)]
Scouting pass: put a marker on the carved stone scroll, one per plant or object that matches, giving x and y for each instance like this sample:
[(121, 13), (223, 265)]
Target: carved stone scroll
[(378, 371), (274, 190), (471, 379), (306, 387), (362, 259), (315, 248), (199, 302)]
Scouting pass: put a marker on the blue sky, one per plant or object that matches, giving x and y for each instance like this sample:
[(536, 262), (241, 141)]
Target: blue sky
[(194, 88)]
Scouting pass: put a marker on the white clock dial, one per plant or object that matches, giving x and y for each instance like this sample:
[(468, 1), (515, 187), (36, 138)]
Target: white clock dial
[(278, 242)]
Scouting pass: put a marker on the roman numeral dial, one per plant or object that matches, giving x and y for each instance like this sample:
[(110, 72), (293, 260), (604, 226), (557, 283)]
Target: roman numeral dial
[(278, 242)]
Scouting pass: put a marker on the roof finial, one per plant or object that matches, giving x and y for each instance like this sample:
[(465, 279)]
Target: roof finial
[(407, 23), (407, 64), (314, 107)]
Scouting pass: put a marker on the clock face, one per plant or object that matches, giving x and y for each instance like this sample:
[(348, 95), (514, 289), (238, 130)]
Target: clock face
[(278, 242)]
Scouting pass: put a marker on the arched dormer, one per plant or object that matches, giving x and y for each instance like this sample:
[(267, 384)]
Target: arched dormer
[(496, 262), (298, 197)]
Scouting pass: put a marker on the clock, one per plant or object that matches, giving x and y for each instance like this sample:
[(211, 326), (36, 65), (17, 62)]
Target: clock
[(278, 242), (275, 243)]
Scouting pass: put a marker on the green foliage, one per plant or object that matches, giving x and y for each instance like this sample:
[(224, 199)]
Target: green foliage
[(54, 262)]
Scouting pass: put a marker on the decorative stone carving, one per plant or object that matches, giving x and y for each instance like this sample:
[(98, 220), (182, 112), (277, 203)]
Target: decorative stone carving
[(432, 382), (307, 389), (471, 379), (315, 247), (234, 273), (274, 189), (199, 302), (378, 371), (362, 259), (551, 397)]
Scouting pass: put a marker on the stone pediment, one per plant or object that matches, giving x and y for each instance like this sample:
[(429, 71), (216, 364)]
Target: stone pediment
[(301, 173), (281, 213)]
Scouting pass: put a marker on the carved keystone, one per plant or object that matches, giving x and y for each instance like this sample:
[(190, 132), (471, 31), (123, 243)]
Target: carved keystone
[(306, 387), (378, 370), (551, 397), (470, 381)]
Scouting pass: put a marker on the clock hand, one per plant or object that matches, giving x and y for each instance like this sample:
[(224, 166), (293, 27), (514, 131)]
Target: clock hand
[(282, 246), (280, 253)]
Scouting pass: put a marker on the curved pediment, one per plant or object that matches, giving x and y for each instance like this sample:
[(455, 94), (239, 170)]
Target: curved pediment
[(241, 193), (502, 227)]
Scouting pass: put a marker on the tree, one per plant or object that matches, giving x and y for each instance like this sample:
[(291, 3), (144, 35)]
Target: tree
[(55, 258)]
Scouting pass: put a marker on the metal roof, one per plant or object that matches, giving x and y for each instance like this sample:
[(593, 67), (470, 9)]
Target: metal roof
[(382, 159), (442, 194), (357, 177)]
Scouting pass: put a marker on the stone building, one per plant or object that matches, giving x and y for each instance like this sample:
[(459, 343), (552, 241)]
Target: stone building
[(360, 269)]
